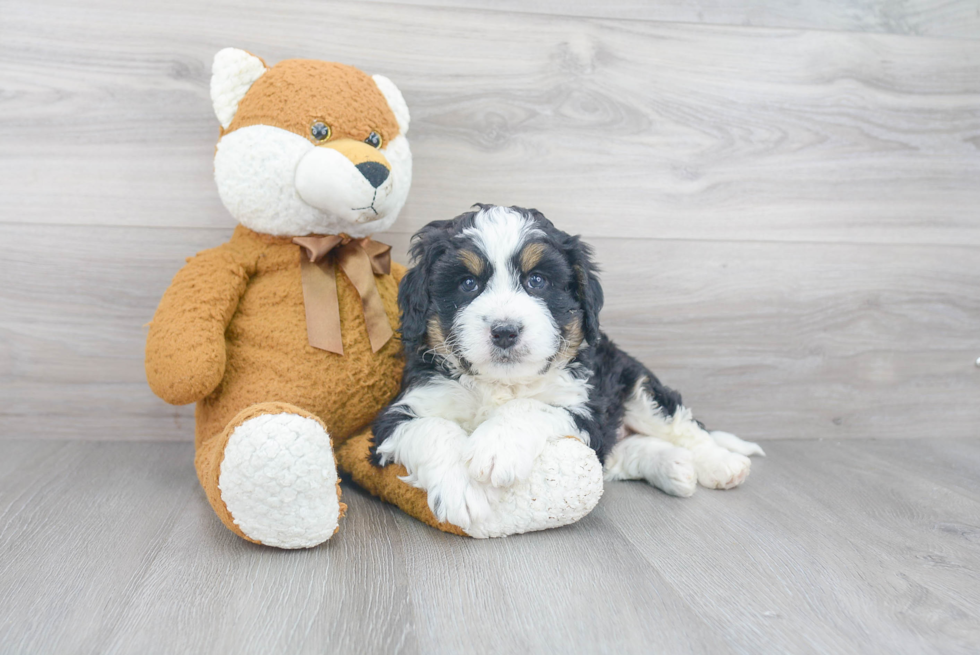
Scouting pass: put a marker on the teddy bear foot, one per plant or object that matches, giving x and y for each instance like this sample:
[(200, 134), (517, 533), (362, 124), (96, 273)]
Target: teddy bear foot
[(564, 486), (278, 480)]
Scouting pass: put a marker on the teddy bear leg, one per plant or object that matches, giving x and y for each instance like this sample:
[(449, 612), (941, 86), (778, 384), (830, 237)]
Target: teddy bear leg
[(564, 486), (271, 477)]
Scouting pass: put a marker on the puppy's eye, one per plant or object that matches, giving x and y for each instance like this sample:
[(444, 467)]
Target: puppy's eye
[(373, 140), (468, 284), (536, 281), (320, 131)]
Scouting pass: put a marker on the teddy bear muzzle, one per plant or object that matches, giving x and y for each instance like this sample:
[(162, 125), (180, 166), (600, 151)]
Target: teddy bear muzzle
[(346, 178)]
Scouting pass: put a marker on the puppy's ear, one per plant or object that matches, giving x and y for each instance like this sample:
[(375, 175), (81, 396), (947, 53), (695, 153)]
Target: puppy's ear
[(414, 298), (587, 289)]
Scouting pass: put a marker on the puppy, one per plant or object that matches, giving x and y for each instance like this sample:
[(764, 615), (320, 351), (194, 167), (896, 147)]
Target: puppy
[(500, 324)]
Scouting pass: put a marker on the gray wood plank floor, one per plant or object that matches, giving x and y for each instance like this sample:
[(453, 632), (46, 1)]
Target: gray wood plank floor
[(831, 547)]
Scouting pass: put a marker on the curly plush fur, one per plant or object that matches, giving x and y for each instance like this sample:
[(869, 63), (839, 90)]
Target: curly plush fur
[(230, 332)]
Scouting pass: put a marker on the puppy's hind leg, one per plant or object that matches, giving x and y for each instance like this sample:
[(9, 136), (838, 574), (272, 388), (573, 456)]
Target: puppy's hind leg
[(716, 467), (666, 467), (730, 442)]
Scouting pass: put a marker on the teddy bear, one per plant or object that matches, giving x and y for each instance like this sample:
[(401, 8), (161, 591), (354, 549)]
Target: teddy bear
[(286, 336)]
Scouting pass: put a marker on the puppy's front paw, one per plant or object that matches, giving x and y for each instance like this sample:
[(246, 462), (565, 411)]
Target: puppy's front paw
[(499, 457), (718, 468), (458, 499)]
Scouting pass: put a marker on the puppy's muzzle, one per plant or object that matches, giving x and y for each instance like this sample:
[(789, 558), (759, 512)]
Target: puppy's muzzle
[(505, 335)]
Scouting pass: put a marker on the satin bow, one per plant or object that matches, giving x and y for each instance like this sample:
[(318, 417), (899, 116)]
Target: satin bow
[(361, 260)]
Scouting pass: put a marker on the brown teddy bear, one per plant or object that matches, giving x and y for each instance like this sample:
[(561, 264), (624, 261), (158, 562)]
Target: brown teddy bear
[(285, 336)]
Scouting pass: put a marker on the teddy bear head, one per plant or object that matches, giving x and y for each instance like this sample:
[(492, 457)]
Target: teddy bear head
[(309, 147)]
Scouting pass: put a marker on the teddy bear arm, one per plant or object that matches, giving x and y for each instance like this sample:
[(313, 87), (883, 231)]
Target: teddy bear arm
[(185, 347)]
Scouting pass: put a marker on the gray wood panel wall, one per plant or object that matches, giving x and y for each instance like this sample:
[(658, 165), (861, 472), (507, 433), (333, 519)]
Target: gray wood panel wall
[(785, 197)]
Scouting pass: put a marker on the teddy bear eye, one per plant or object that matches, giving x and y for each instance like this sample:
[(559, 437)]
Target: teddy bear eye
[(320, 131), (373, 140)]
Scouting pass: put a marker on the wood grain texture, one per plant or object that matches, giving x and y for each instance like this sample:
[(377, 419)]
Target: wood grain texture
[(843, 547), (723, 172), (617, 128), (763, 339), (956, 19)]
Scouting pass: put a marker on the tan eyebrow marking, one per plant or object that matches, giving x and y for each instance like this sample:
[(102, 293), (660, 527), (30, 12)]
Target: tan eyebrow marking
[(471, 261), (531, 255)]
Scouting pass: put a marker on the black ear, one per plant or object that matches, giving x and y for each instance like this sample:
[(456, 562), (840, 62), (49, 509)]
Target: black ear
[(414, 298), (588, 291)]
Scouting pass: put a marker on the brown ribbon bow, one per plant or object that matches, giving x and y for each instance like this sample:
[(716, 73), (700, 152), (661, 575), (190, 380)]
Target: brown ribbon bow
[(361, 260)]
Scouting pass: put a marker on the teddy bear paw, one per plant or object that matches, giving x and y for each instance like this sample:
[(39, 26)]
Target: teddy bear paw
[(279, 481)]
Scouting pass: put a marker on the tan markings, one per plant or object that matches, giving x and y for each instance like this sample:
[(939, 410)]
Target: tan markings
[(471, 261), (437, 338), (357, 152), (572, 337), (531, 255), (295, 93)]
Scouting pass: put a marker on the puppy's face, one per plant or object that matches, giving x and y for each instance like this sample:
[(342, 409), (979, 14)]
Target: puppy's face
[(505, 294)]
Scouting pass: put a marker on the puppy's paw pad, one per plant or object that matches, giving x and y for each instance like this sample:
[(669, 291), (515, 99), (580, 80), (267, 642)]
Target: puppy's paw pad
[(720, 469)]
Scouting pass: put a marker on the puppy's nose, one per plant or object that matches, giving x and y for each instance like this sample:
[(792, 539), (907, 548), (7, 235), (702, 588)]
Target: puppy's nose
[(373, 172), (505, 334)]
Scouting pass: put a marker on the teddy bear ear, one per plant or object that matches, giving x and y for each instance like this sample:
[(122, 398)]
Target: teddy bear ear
[(232, 74), (395, 101)]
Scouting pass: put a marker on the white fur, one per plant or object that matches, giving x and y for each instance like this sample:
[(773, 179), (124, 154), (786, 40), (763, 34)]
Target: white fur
[(470, 400), (500, 234), (730, 442), (666, 467), (430, 449), (233, 73), (564, 486), (501, 432), (716, 467), (257, 170), (327, 180), (279, 481), (502, 449), (395, 101)]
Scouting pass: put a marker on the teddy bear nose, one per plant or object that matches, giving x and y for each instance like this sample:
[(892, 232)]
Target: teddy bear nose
[(373, 172)]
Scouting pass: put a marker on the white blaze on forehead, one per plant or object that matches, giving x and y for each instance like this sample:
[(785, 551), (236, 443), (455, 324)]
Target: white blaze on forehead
[(501, 233)]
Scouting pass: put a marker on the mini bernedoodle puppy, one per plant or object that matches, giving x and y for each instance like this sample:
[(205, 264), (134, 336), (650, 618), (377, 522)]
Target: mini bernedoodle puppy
[(500, 323)]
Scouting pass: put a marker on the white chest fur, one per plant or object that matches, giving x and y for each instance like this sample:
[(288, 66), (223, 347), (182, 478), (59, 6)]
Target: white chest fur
[(469, 400)]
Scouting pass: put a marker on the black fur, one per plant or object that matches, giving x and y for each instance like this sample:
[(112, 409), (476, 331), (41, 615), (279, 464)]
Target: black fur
[(613, 375), (574, 293)]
